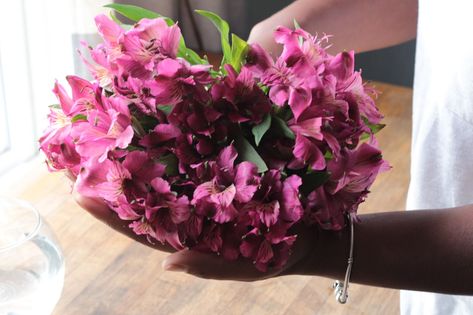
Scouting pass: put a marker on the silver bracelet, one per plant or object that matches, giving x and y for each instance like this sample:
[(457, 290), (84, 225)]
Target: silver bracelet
[(341, 287)]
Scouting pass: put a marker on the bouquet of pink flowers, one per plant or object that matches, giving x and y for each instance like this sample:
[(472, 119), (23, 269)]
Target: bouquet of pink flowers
[(224, 160)]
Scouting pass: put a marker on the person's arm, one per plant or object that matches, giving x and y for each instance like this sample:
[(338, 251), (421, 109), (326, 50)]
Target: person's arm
[(359, 25), (428, 250)]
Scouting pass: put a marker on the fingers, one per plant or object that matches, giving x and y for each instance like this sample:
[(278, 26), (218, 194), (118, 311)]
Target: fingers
[(95, 207), (211, 266), (101, 211)]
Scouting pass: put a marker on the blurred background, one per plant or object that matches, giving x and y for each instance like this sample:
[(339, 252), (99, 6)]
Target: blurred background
[(39, 41)]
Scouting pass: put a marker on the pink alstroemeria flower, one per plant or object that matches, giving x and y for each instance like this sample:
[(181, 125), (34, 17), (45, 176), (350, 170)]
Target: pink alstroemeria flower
[(151, 40), (275, 200), (348, 186), (143, 169), (307, 152), (295, 73), (56, 142), (61, 156), (161, 134), (110, 31), (103, 179), (350, 83), (104, 130), (309, 138), (301, 49), (239, 97), (104, 56), (287, 86), (267, 249), (176, 79), (165, 211), (229, 183)]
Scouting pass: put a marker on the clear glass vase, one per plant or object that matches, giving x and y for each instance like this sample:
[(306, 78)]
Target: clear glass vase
[(31, 261)]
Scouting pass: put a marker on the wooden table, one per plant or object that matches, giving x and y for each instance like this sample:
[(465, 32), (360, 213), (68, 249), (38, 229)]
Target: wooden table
[(107, 273)]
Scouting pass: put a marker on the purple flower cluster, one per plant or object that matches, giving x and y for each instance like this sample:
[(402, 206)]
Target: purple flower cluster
[(225, 161)]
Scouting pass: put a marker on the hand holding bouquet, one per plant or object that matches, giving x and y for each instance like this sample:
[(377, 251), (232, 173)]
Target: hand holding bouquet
[(227, 160)]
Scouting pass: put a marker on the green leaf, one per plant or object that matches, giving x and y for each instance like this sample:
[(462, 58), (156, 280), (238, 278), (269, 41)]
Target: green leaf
[(78, 117), (263, 88), (299, 39), (167, 109), (114, 17), (55, 106), (189, 54), (224, 30), (132, 148), (281, 126), (246, 152), (375, 128), (171, 162), (137, 127), (148, 123), (328, 156), (133, 12), (313, 180), (364, 136), (259, 130), (239, 50)]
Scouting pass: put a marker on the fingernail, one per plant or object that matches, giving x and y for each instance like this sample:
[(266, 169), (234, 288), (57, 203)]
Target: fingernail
[(174, 267)]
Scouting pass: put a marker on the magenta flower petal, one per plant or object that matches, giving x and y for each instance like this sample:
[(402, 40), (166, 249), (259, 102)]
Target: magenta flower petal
[(103, 132), (299, 100), (246, 181), (124, 209), (269, 212), (225, 197), (265, 252), (142, 228), (225, 214), (279, 95), (179, 210), (342, 65), (258, 60), (165, 132), (292, 209), (81, 88), (169, 68), (193, 226), (64, 100), (142, 167), (213, 238), (108, 29), (161, 186), (309, 128), (249, 245), (307, 152), (202, 191), (226, 158)]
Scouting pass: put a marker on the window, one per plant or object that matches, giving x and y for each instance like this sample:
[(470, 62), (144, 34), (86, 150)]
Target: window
[(38, 44)]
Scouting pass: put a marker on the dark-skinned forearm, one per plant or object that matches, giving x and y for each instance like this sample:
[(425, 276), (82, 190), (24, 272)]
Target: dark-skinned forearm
[(429, 250)]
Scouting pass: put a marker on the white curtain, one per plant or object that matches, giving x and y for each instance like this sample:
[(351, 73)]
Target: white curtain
[(38, 43)]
